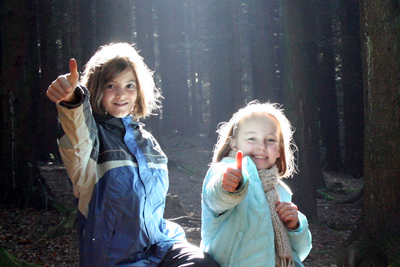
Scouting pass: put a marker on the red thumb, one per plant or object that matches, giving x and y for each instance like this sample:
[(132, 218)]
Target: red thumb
[(74, 75), (239, 158)]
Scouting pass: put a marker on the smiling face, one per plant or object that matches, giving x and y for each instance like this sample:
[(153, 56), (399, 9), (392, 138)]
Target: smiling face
[(120, 94), (258, 137)]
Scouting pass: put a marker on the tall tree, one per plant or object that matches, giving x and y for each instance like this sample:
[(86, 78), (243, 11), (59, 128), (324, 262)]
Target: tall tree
[(376, 240), (103, 25), (121, 21), (263, 42), (226, 94), (20, 183), (145, 30), (45, 138), (327, 88), (173, 68), (88, 26), (195, 51), (68, 28), (301, 100), (352, 87), (144, 27)]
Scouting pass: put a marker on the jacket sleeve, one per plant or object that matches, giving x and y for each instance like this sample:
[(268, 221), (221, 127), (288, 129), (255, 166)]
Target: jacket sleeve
[(215, 197), (300, 238), (78, 147)]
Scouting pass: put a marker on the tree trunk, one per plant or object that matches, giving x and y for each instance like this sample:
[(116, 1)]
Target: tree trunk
[(103, 27), (327, 90), (352, 88), (301, 99), (195, 50), (145, 30), (20, 184), (173, 68), (120, 16), (45, 138), (88, 26), (376, 241), (226, 94), (263, 42)]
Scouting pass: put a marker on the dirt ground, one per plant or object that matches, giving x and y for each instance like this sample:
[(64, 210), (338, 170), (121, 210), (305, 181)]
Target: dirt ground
[(31, 234)]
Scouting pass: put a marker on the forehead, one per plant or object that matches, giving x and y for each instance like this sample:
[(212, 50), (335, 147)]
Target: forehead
[(258, 121), (128, 74)]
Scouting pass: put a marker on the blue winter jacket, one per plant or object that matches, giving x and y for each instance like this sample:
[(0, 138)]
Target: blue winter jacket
[(237, 228), (120, 177)]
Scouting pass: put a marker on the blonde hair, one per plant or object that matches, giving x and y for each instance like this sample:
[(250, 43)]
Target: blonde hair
[(108, 63), (227, 131)]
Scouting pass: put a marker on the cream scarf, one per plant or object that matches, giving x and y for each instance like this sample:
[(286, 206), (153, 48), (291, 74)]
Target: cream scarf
[(283, 256), (283, 251)]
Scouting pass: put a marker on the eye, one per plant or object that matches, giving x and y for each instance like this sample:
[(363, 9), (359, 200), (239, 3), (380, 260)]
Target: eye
[(110, 86), (271, 140), (251, 139), (131, 86)]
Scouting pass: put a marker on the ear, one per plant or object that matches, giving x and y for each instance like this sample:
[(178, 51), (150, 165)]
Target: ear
[(232, 143), (279, 151)]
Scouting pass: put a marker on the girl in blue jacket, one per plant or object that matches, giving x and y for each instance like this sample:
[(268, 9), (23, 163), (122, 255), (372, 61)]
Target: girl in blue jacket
[(118, 171), (248, 218)]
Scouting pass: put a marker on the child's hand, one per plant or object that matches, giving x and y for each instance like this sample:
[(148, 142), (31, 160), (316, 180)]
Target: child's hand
[(62, 89), (287, 211), (233, 175)]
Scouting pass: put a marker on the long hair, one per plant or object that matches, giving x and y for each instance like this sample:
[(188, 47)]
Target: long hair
[(228, 130), (108, 63)]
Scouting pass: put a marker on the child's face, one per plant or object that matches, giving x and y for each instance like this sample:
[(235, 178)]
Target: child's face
[(258, 137), (120, 94)]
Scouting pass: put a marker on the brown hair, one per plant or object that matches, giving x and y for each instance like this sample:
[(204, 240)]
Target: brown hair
[(108, 63)]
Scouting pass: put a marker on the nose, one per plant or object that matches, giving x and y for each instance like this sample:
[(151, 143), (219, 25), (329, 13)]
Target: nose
[(262, 146), (120, 91)]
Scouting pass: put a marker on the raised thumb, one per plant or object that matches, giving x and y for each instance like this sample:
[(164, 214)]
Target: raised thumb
[(74, 75), (239, 158)]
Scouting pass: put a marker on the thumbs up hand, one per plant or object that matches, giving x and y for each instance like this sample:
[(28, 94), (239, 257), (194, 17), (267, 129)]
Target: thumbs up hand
[(233, 175), (62, 89)]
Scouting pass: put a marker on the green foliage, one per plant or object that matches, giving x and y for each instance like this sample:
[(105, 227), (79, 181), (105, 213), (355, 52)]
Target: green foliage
[(68, 223), (322, 194), (9, 260)]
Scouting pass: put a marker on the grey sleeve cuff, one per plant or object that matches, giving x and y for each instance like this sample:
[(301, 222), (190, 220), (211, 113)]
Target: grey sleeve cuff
[(79, 99)]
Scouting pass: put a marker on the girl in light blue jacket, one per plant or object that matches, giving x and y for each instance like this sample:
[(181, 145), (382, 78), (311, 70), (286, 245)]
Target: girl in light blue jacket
[(248, 218)]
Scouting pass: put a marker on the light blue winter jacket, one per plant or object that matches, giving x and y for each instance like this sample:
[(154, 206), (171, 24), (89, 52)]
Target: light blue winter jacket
[(237, 228)]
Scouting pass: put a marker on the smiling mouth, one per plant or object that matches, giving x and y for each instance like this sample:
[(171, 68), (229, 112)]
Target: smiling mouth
[(259, 157), (120, 104)]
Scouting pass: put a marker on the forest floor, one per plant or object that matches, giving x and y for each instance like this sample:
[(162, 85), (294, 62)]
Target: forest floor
[(32, 235)]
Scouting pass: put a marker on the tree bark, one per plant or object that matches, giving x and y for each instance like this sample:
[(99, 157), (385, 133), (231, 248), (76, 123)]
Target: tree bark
[(145, 29), (376, 241), (88, 26), (20, 184), (173, 68), (327, 89), (45, 138), (226, 94), (263, 43), (301, 101), (352, 88)]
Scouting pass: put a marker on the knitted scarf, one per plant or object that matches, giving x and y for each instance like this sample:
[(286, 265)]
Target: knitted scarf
[(283, 256)]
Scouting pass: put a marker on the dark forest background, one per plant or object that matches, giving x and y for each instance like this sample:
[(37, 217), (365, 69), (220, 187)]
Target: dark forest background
[(332, 64)]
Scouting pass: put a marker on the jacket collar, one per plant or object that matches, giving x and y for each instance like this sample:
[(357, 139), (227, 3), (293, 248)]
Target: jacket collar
[(109, 119)]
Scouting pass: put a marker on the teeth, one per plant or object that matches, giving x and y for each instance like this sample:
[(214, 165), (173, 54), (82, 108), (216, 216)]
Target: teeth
[(260, 157)]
